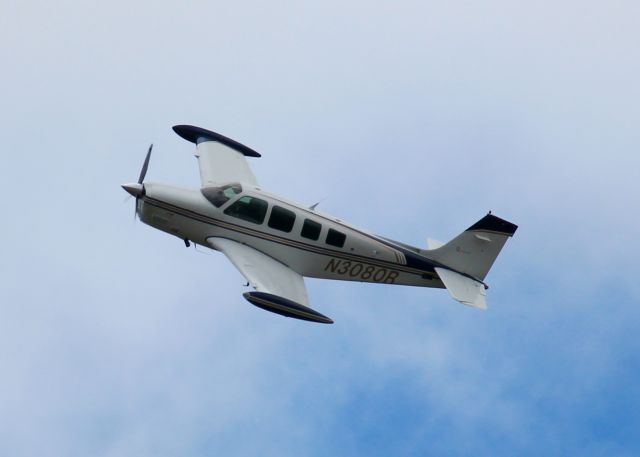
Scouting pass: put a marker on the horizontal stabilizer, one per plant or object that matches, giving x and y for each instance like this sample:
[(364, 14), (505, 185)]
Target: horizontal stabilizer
[(464, 289), (434, 244)]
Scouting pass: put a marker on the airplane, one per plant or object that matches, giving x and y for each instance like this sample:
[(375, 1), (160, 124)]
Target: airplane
[(275, 242)]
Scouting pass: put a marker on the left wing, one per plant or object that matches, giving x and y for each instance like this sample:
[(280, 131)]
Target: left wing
[(279, 289), (221, 159)]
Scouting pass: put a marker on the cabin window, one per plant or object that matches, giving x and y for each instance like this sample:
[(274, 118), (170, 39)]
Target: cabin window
[(281, 219), (311, 229), (248, 209), (335, 238), (221, 195)]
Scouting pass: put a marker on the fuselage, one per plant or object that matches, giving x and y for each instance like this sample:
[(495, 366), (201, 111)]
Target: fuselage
[(307, 241)]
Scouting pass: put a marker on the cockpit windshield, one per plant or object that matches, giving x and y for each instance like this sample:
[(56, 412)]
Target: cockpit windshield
[(221, 195)]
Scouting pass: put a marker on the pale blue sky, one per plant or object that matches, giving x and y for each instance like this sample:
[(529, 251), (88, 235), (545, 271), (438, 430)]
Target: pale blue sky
[(412, 119)]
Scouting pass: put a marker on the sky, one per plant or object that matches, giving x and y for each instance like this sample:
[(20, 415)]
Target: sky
[(411, 119)]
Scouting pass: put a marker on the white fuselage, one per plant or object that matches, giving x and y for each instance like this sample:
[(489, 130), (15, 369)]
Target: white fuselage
[(187, 214)]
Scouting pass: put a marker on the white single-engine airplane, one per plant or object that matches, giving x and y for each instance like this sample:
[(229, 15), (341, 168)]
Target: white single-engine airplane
[(275, 242)]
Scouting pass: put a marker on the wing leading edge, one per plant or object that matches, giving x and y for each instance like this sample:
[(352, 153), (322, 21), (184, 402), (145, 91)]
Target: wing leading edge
[(278, 288)]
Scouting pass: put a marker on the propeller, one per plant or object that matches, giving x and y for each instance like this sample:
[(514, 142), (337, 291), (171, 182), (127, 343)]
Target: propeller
[(137, 189), (143, 172)]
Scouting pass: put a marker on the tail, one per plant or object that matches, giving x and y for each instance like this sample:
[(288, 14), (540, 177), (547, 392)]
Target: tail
[(467, 258)]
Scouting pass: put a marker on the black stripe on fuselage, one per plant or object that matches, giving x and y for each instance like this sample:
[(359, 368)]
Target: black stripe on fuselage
[(415, 264)]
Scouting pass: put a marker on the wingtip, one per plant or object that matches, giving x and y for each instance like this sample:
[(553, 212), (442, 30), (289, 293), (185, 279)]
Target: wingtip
[(285, 307), (198, 135)]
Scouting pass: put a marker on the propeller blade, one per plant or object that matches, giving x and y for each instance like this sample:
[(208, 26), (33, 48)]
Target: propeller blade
[(143, 172)]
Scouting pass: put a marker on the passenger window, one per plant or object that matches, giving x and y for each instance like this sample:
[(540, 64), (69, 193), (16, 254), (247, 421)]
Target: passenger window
[(311, 229), (248, 209), (335, 238), (282, 219)]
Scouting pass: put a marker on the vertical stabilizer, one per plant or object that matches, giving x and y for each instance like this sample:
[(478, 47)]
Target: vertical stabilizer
[(474, 250)]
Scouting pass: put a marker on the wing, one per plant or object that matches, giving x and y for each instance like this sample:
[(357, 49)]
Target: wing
[(264, 273), (279, 289), (221, 159)]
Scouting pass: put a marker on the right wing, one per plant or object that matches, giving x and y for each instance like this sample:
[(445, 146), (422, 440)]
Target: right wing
[(279, 289), (221, 159)]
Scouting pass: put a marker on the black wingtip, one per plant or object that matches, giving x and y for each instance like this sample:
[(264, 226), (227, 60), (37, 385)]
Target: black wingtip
[(198, 135), (493, 223), (285, 307)]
